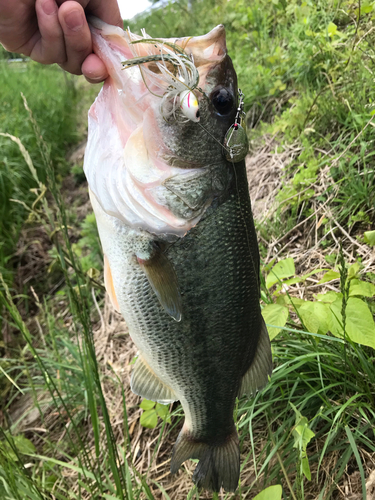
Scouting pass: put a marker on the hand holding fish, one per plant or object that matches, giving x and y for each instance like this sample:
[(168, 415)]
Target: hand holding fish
[(56, 31)]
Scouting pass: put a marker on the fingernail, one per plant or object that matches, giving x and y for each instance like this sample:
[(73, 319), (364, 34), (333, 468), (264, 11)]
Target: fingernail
[(49, 7), (94, 78), (74, 20)]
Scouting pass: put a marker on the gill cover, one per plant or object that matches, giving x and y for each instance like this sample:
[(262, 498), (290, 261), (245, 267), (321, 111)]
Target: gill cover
[(128, 164)]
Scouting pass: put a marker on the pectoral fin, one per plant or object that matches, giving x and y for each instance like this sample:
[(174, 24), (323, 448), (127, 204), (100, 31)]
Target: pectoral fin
[(256, 376), (108, 282), (163, 280), (145, 383)]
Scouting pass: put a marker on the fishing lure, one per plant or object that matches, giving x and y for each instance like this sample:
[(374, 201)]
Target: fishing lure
[(236, 143), (189, 105), (175, 75)]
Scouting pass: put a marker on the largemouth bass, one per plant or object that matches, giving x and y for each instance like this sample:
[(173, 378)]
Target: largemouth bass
[(180, 251)]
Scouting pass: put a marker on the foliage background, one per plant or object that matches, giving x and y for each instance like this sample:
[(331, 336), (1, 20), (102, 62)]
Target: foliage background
[(70, 428)]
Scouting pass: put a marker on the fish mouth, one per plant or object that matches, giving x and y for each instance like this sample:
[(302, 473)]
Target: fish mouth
[(130, 161)]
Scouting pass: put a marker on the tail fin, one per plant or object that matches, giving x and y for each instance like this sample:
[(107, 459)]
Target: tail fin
[(219, 464)]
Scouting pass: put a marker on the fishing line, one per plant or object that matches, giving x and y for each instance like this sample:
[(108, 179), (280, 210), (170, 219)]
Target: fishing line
[(187, 68), (213, 137)]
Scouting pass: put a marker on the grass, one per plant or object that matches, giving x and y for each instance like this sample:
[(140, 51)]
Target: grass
[(70, 426), (295, 63), (53, 97)]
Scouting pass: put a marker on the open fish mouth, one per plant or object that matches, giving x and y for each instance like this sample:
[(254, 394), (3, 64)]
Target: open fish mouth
[(136, 118)]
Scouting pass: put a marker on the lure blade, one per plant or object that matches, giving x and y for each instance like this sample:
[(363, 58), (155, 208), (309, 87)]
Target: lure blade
[(236, 143)]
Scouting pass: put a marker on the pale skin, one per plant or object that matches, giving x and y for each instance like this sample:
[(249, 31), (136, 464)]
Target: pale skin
[(56, 31)]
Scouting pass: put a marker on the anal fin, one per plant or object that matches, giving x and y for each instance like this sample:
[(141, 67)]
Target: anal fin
[(163, 280), (108, 282), (145, 383), (256, 376)]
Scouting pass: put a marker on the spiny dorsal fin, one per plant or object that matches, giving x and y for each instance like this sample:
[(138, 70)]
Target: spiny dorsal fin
[(108, 282), (163, 280), (145, 383), (256, 376)]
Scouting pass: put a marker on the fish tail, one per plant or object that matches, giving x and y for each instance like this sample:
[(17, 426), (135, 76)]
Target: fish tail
[(219, 463)]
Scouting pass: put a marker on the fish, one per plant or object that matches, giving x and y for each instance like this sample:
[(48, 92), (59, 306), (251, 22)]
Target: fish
[(181, 258)]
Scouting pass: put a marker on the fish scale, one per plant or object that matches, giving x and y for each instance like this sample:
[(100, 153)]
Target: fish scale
[(188, 288), (216, 317)]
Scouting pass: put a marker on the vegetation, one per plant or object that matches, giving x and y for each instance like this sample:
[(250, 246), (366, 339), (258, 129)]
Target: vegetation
[(52, 97), (70, 428)]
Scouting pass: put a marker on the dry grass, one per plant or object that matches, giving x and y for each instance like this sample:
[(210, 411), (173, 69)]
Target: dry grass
[(115, 352), (267, 173)]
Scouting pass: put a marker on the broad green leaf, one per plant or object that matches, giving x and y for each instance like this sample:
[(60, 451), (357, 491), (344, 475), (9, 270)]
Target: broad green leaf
[(306, 468), (332, 29), (331, 275), (147, 405), (163, 412), (369, 237), (360, 325), (353, 270), (292, 281), (283, 269), (311, 273), (309, 320), (149, 419), (358, 287), (302, 434), (274, 314), (329, 297), (271, 493), (24, 445), (315, 316), (366, 9), (299, 279), (284, 300)]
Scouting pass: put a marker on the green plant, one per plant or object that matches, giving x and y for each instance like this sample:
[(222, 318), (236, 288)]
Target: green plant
[(151, 412), (329, 312), (52, 96)]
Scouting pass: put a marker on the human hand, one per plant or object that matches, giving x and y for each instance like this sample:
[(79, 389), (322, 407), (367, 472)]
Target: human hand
[(56, 31)]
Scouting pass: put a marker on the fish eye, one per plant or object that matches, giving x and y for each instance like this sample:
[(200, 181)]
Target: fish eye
[(223, 101)]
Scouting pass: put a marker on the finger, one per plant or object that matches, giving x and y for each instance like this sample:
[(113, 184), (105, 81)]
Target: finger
[(18, 25), (50, 47), (94, 69), (77, 36), (108, 10)]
